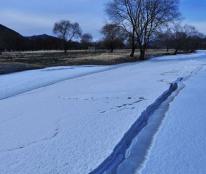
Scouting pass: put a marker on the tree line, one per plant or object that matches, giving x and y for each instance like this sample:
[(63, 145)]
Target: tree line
[(138, 24), (133, 24)]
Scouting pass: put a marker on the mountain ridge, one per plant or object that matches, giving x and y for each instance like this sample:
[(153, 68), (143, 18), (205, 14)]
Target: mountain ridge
[(11, 40)]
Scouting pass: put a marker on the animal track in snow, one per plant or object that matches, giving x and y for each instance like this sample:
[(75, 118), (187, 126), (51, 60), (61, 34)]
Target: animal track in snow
[(125, 105)]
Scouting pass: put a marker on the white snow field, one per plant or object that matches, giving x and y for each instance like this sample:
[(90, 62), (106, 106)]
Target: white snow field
[(180, 145), (89, 119), (17, 83)]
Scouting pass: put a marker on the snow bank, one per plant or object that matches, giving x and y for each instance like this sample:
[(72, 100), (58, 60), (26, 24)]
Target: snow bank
[(192, 56), (17, 83)]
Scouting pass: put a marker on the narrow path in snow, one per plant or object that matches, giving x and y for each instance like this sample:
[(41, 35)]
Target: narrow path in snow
[(180, 144), (126, 156), (131, 151)]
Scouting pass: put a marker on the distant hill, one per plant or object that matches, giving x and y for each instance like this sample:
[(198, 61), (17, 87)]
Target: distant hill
[(44, 42), (12, 40), (47, 42)]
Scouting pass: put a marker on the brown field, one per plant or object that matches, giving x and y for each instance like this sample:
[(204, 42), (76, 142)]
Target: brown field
[(19, 61)]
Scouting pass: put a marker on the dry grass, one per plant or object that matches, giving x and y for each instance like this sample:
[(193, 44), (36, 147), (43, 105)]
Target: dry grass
[(19, 61), (119, 56)]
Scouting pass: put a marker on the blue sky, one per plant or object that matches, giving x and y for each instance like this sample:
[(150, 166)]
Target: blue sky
[(30, 17)]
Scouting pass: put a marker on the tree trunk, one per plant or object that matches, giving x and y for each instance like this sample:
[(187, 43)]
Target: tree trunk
[(133, 51), (142, 52), (167, 49), (111, 49), (133, 44), (65, 47)]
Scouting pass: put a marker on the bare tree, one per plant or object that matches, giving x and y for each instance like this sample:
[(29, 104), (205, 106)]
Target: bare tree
[(86, 40), (67, 31), (143, 18), (112, 36), (122, 12), (185, 38), (194, 38), (164, 38)]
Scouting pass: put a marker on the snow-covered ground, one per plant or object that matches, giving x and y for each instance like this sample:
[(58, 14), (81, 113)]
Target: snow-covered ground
[(70, 119), (17, 83), (180, 144)]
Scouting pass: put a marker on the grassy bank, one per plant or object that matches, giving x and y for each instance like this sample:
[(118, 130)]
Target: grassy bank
[(20, 61)]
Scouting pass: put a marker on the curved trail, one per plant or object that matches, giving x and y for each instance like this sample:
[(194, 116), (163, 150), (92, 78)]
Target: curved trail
[(145, 124), (131, 151)]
